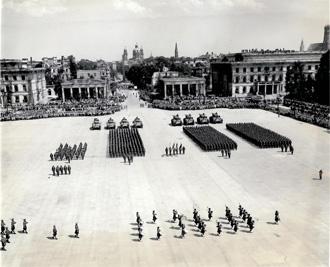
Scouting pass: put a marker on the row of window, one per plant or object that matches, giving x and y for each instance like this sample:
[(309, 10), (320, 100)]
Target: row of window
[(16, 99), (266, 69), (258, 78), (16, 88), (15, 77)]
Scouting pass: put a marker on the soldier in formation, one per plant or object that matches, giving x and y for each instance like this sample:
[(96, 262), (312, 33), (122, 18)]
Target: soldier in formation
[(175, 215), (7, 233), (25, 226), (219, 226), (13, 226), (158, 233), (3, 242), (320, 174), (3, 227), (60, 170), (154, 216), (175, 149)]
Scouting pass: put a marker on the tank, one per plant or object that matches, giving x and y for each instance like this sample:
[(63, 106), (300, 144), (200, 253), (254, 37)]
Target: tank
[(188, 120), (215, 118), (137, 123), (176, 121), (202, 119), (110, 124), (124, 123), (96, 125)]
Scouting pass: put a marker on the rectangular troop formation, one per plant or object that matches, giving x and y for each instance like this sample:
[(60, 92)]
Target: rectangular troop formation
[(209, 139), (261, 137), (125, 142), (67, 152)]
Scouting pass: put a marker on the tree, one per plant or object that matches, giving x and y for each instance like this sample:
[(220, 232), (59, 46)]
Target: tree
[(73, 67), (86, 64), (295, 81), (238, 57), (322, 80)]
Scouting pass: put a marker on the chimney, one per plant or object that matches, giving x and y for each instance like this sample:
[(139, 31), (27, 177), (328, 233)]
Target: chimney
[(326, 37)]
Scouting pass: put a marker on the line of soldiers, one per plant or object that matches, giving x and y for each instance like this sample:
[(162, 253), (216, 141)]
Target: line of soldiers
[(225, 153), (246, 216), (69, 153), (76, 231), (60, 170), (285, 147), (129, 158), (182, 226), (5, 233), (140, 225), (175, 149)]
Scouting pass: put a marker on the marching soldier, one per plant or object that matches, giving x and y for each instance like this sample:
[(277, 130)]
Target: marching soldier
[(282, 147), (225, 152), (3, 226), (25, 226), (235, 227), (320, 174), (13, 226), (210, 213), (251, 225), (61, 169), (240, 210), (154, 217), (76, 231), (203, 230), (291, 149), (129, 159), (219, 228), (3, 242), (140, 234), (124, 158), (222, 152), (277, 216), (51, 156), (180, 220), (158, 233), (183, 232), (195, 212), (229, 153), (54, 232), (183, 150), (53, 170), (65, 168), (7, 233), (69, 169), (170, 151), (175, 214), (166, 151), (57, 171)]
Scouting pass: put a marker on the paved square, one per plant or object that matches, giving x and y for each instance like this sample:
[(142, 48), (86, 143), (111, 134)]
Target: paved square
[(103, 195)]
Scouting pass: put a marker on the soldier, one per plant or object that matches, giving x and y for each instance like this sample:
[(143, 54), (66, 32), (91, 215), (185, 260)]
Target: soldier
[(219, 228), (210, 213), (225, 152), (7, 233), (170, 151), (180, 220), (229, 153), (251, 225), (51, 156), (320, 174), (183, 232), (222, 152), (195, 213), (3, 226), (3, 242), (166, 151), (282, 147), (25, 226), (61, 169), (240, 210), (54, 232), (277, 217), (286, 147), (244, 215), (291, 149), (53, 170), (69, 169), (203, 230), (124, 158), (76, 231), (65, 168), (138, 218), (57, 171), (13, 226), (129, 159), (154, 218), (180, 148), (69, 158), (83, 155), (158, 233), (175, 213), (183, 150), (140, 236), (235, 227)]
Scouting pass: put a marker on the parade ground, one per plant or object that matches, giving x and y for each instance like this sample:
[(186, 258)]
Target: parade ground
[(103, 194)]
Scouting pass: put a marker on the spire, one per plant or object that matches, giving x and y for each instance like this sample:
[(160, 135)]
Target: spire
[(302, 47), (176, 53)]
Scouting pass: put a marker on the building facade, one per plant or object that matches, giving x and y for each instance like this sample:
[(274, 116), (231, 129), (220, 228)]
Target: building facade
[(261, 73), (58, 66), (22, 82)]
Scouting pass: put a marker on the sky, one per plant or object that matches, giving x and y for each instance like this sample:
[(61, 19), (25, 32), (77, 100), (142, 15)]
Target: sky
[(101, 29)]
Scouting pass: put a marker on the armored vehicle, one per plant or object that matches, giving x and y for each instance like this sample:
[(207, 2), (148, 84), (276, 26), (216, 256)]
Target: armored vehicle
[(96, 125), (137, 123), (202, 119), (176, 120), (110, 124), (215, 118), (124, 123), (188, 120)]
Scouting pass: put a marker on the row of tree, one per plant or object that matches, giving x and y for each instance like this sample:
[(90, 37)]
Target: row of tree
[(308, 89)]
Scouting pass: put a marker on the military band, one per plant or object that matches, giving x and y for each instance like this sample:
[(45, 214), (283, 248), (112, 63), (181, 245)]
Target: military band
[(60, 170)]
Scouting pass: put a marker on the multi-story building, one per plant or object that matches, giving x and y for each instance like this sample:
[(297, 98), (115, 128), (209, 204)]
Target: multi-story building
[(22, 81), (263, 72), (58, 67)]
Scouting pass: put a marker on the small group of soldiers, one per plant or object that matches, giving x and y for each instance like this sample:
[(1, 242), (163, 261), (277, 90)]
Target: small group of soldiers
[(5, 233), (129, 158), (60, 170), (175, 216), (285, 147), (140, 225), (226, 153), (76, 231), (175, 149), (233, 223), (246, 217), (67, 152), (199, 222)]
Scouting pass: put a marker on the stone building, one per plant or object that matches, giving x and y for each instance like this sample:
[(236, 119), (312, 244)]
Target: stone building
[(22, 82), (58, 66)]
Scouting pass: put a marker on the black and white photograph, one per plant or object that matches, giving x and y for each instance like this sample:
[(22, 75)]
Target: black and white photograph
[(164, 133)]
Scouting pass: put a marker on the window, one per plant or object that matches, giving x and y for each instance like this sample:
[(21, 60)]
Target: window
[(25, 100), (15, 78), (280, 77), (274, 77), (252, 69), (6, 78), (274, 68), (259, 69), (16, 88), (244, 69), (7, 88), (244, 79), (237, 70), (266, 68), (309, 67), (237, 79), (316, 67), (259, 78), (237, 90), (49, 92), (17, 99), (244, 90), (251, 78), (23, 77), (281, 68)]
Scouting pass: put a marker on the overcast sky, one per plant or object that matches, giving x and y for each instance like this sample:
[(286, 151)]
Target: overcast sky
[(102, 28)]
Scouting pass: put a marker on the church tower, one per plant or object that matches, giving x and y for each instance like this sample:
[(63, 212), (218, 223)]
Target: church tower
[(176, 53), (302, 46)]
